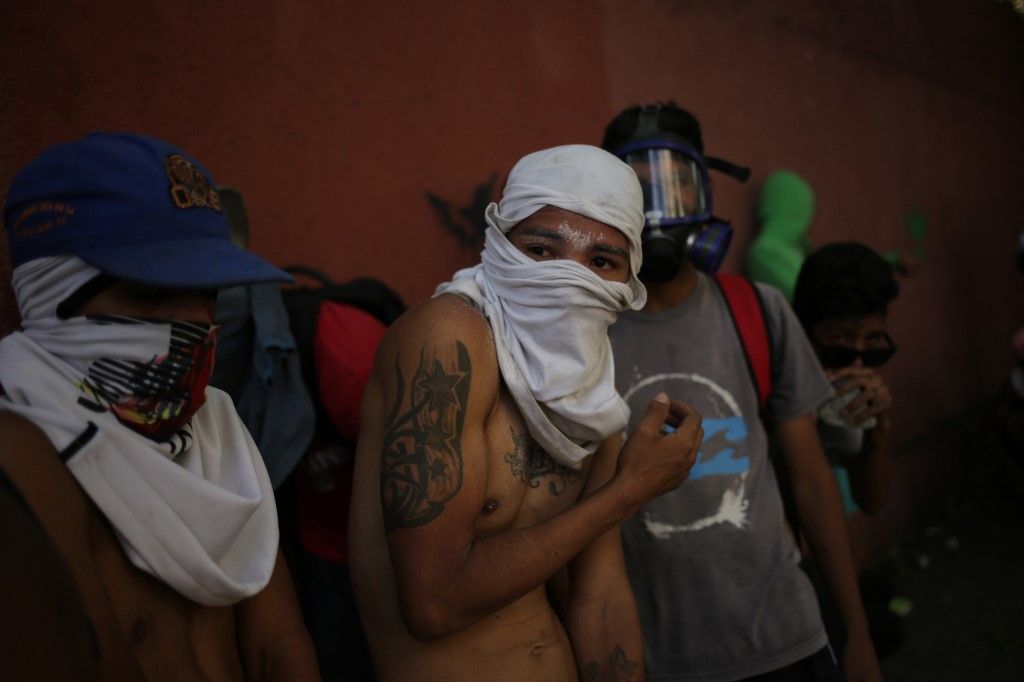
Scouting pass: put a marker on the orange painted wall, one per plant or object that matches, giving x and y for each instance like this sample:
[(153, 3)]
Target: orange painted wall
[(335, 118)]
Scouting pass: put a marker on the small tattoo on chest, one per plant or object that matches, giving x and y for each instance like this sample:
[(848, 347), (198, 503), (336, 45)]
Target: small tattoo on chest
[(529, 463)]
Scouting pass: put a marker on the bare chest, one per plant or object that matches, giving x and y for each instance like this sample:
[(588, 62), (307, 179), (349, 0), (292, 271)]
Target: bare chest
[(170, 636), (525, 484)]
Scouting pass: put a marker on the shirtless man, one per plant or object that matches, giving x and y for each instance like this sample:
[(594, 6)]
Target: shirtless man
[(489, 453), (148, 485)]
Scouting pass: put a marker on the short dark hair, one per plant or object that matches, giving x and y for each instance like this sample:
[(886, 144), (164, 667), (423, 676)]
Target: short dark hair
[(843, 280), (671, 119)]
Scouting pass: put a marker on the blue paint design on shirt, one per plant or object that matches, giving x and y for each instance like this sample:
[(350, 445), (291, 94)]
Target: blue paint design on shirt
[(722, 438)]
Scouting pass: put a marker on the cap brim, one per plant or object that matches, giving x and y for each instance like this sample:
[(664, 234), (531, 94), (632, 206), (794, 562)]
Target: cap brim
[(194, 263)]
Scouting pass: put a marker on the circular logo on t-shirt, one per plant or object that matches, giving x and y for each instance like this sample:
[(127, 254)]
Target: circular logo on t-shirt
[(715, 492)]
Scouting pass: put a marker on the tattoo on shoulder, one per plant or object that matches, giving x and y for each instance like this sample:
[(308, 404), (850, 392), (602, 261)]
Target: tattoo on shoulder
[(616, 668), (529, 463), (421, 463)]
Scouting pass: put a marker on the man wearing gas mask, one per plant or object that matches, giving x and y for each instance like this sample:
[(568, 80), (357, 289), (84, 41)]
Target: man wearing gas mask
[(713, 564), (144, 478)]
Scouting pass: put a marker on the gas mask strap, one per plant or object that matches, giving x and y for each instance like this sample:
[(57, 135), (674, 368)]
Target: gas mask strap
[(741, 173)]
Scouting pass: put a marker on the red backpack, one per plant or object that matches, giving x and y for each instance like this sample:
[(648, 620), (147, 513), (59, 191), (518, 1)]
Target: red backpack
[(747, 312)]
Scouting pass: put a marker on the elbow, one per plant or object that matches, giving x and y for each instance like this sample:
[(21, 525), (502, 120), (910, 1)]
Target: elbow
[(426, 620)]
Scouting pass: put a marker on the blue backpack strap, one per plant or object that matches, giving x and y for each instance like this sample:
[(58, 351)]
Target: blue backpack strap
[(747, 312)]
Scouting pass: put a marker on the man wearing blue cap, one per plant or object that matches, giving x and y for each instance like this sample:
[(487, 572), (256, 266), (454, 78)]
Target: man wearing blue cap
[(145, 479)]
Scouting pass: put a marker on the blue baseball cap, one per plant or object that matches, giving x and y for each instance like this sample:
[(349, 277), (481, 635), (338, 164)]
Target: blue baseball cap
[(133, 207)]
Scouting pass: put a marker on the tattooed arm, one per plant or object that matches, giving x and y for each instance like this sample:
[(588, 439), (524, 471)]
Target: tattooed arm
[(435, 382), (601, 618)]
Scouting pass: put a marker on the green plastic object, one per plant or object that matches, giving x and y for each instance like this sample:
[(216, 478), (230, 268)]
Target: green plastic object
[(917, 231), (785, 209)]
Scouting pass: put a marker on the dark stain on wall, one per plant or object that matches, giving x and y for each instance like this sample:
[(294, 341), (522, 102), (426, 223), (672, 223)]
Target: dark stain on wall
[(465, 223)]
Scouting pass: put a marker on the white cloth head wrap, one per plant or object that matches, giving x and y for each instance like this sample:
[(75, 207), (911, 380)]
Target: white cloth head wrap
[(550, 319), (582, 179), (201, 518)]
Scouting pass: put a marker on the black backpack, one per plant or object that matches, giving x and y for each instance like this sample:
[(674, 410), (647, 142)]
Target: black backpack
[(303, 305)]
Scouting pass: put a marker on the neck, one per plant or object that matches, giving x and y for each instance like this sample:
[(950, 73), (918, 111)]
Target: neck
[(665, 295)]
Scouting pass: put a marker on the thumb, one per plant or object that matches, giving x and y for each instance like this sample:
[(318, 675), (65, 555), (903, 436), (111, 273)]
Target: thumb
[(657, 411)]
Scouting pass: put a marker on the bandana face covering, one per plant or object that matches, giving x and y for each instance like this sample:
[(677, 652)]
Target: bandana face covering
[(550, 319), (155, 398), (555, 358), (166, 460)]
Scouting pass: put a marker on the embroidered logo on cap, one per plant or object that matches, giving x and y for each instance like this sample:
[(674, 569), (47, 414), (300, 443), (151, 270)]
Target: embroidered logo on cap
[(41, 217), (189, 185)]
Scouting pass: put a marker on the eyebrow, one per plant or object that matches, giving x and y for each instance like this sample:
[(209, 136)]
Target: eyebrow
[(614, 250), (549, 234), (541, 232)]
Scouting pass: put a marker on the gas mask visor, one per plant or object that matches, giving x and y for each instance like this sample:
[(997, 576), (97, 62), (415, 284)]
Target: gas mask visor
[(674, 182)]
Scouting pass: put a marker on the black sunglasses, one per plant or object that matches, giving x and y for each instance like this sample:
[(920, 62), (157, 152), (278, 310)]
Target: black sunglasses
[(837, 357)]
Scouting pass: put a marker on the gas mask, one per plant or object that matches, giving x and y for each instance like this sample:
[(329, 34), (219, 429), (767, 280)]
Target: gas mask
[(678, 211)]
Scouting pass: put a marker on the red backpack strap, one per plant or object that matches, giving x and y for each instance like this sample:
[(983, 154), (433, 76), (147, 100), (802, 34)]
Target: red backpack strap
[(747, 312)]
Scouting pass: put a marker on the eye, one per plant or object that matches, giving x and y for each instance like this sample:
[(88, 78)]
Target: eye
[(603, 263), (539, 250)]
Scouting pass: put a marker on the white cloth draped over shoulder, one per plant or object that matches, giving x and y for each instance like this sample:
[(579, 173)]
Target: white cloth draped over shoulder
[(198, 514), (550, 319)]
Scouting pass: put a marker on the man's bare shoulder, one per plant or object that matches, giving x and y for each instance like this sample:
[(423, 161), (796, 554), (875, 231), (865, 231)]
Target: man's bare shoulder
[(27, 453), (437, 327), (446, 338), (20, 435), (440, 319), (42, 604), (33, 466)]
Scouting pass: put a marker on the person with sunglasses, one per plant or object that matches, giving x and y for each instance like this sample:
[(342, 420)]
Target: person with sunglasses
[(842, 298)]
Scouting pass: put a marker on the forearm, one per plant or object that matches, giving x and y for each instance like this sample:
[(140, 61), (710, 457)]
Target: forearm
[(820, 511), (492, 572), (449, 576), (286, 659), (606, 639), (602, 617), (870, 471)]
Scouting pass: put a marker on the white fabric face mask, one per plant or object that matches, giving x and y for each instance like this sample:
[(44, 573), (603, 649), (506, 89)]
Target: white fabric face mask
[(197, 512), (550, 319), (550, 322)]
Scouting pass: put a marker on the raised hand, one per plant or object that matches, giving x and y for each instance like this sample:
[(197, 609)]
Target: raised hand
[(873, 400), (653, 462)]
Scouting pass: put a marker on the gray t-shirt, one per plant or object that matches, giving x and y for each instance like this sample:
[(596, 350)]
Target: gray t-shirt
[(714, 569)]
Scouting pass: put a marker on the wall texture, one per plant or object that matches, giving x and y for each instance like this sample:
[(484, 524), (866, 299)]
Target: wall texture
[(336, 119)]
